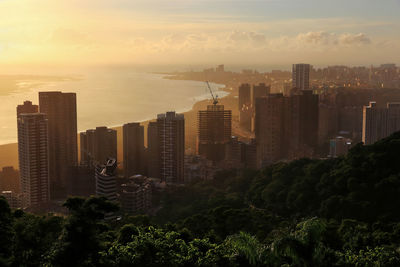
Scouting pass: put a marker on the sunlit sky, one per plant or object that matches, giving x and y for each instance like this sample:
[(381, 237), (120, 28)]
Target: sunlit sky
[(199, 31)]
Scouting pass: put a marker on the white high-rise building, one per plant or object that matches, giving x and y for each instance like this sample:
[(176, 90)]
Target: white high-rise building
[(301, 76), (33, 158), (379, 122)]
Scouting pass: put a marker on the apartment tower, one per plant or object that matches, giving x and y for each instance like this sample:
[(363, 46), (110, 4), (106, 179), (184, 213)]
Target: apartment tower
[(171, 145), (60, 110)]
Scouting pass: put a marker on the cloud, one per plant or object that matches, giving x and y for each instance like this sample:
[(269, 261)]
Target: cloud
[(317, 38), (355, 39)]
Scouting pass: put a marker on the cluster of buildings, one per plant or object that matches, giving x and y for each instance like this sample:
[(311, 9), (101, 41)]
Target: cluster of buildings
[(299, 122), (306, 122)]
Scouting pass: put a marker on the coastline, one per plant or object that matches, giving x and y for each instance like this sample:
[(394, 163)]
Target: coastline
[(9, 152)]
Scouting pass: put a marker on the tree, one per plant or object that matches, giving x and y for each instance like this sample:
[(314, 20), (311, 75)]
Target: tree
[(83, 235)]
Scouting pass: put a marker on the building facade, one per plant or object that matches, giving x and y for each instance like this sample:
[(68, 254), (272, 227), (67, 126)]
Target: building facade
[(33, 158), (97, 145), (60, 110), (214, 131), (106, 180), (301, 76), (380, 122), (133, 147), (153, 151), (171, 145), (245, 111)]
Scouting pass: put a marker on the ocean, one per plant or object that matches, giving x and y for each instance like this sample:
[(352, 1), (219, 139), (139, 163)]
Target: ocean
[(105, 97)]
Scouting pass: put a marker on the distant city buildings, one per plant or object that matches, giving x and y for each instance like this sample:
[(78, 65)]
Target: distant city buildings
[(97, 145), (153, 150), (286, 128), (136, 195), (34, 158), (134, 151), (339, 146), (239, 154), (380, 122), (198, 168), (214, 131), (10, 180), (245, 108), (15, 200), (171, 146), (270, 129), (60, 111), (301, 76)]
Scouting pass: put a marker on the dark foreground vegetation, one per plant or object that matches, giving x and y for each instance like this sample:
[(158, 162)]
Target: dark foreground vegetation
[(336, 212)]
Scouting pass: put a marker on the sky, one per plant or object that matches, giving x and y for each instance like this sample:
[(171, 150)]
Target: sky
[(320, 32)]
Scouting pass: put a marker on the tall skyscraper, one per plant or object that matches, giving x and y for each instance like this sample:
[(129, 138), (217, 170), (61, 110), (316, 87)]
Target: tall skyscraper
[(258, 91), (380, 122), (214, 131), (245, 110), (60, 110), (27, 107), (98, 145), (393, 118), (33, 158), (133, 146), (153, 151), (301, 76), (304, 120), (171, 141), (271, 129)]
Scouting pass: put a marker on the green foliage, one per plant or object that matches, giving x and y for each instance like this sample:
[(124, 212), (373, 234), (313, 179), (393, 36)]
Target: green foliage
[(336, 212), (83, 234), (6, 232)]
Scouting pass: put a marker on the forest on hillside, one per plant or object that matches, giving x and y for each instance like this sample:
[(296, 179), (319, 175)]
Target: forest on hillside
[(333, 212)]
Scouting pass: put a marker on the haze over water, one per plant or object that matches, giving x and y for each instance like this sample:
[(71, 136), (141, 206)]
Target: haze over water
[(107, 98)]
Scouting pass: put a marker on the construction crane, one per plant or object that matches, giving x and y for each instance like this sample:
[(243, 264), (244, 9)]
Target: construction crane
[(215, 99)]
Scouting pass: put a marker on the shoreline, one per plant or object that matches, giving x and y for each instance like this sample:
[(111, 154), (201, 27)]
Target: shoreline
[(9, 151)]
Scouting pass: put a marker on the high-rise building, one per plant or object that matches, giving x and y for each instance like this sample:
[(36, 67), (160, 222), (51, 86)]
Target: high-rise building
[(60, 110), (106, 180), (304, 120), (380, 122), (27, 107), (214, 131), (245, 110), (153, 151), (373, 120), (133, 147), (135, 195), (98, 145), (301, 76), (171, 143), (271, 128), (220, 68), (393, 118), (258, 91), (33, 158)]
